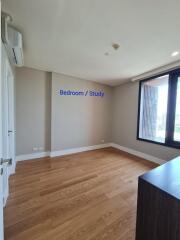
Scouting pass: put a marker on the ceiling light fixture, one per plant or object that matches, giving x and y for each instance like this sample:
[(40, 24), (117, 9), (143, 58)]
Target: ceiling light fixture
[(115, 46), (174, 54)]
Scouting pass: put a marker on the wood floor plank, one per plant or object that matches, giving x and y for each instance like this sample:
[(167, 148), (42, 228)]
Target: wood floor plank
[(85, 196)]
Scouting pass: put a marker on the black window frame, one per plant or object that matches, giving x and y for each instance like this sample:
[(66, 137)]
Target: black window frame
[(171, 108)]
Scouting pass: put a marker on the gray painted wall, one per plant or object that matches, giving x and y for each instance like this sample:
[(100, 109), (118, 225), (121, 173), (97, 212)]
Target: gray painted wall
[(79, 121), (32, 110), (124, 125)]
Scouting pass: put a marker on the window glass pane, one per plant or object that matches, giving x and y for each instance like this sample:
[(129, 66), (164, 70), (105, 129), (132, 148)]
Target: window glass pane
[(177, 116), (153, 109)]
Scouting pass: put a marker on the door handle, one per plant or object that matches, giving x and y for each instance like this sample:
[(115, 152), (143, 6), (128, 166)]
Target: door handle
[(1, 172), (9, 132), (9, 161)]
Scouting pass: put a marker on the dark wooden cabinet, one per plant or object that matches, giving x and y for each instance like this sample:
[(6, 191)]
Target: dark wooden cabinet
[(158, 209)]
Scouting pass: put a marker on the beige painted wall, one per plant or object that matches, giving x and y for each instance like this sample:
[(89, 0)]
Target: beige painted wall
[(79, 121), (125, 108), (32, 110), (46, 119)]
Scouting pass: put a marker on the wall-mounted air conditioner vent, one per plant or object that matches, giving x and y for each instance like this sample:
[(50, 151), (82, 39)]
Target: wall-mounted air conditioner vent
[(14, 46)]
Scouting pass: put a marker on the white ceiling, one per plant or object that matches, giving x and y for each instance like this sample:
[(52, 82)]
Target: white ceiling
[(72, 36)]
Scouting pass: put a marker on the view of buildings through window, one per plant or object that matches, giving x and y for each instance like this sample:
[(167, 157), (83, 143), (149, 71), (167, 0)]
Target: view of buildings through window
[(153, 110), (162, 90), (177, 117)]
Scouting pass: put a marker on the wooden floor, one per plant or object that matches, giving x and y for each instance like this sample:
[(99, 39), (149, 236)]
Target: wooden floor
[(85, 196)]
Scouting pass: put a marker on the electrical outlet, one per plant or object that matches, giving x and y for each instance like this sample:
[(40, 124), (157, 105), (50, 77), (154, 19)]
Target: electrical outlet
[(35, 149), (102, 140)]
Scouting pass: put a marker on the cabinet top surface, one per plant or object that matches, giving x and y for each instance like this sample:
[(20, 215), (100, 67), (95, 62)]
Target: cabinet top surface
[(166, 177)]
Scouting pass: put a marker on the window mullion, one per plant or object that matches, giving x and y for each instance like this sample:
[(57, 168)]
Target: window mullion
[(171, 108)]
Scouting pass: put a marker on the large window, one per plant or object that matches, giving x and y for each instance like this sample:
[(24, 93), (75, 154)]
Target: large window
[(159, 109)]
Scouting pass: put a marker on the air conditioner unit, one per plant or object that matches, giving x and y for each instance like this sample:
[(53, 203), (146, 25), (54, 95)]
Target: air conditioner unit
[(14, 46)]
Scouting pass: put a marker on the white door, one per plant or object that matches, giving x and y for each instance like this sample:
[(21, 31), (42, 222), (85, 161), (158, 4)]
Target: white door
[(10, 115), (1, 209), (8, 152), (1, 176), (1, 185)]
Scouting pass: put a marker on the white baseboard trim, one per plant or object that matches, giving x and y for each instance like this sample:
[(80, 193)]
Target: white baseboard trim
[(61, 152), (31, 156), (139, 154), (78, 150), (89, 148)]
